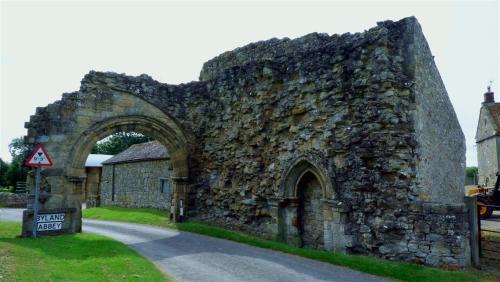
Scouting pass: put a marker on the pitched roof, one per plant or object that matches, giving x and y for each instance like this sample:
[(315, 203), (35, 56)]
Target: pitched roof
[(494, 110), (153, 150), (95, 160)]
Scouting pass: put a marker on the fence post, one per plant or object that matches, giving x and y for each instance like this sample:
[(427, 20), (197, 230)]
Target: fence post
[(471, 203)]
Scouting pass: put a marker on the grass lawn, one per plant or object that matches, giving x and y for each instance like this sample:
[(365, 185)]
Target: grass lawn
[(80, 257), (397, 270), (144, 216)]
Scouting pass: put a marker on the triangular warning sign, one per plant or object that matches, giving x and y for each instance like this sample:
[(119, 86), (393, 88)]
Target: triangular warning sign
[(39, 157)]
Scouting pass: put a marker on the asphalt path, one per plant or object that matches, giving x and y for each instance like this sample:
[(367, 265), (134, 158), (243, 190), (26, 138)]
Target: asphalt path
[(11, 214), (192, 257), (492, 223)]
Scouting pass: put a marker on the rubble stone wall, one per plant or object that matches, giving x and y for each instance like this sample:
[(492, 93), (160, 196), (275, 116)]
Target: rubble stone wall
[(367, 113), (13, 200)]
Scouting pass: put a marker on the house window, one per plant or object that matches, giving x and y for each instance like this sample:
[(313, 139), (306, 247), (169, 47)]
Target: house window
[(165, 186)]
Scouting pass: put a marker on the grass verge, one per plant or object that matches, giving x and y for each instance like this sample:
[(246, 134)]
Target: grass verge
[(144, 216), (79, 257), (392, 269)]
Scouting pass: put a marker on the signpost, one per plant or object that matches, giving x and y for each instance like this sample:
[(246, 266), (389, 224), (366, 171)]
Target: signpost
[(40, 158)]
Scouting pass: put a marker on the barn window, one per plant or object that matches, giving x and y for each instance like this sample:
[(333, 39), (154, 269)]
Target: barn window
[(164, 185)]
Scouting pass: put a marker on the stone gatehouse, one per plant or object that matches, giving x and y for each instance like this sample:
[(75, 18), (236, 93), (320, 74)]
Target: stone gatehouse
[(344, 142)]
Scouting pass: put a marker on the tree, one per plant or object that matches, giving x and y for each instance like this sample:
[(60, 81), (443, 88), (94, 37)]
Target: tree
[(471, 175), (11, 173), (471, 171), (4, 167), (15, 173), (118, 142), (18, 149)]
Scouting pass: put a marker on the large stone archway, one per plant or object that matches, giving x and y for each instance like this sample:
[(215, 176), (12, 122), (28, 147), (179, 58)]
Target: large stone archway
[(71, 135)]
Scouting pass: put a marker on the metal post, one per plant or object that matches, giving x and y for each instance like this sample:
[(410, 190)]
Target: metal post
[(479, 239), (35, 204), (475, 231), (181, 210)]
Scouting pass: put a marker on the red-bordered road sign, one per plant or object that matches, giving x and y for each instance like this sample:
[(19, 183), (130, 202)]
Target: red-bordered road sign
[(39, 157)]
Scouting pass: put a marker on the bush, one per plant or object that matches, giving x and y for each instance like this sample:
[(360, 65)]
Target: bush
[(471, 171), (9, 189)]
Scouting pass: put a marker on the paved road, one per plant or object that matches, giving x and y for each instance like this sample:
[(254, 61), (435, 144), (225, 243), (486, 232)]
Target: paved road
[(192, 257), (493, 222), (11, 214)]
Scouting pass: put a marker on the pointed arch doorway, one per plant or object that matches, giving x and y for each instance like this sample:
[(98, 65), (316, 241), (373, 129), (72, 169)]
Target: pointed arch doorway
[(309, 213)]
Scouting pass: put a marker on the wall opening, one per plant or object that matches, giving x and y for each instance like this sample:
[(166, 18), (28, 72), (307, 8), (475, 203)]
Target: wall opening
[(309, 211), (80, 122), (305, 214), (127, 169)]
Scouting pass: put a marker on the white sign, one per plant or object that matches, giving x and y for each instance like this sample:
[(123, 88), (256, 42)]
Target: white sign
[(39, 158), (49, 221), (48, 226), (50, 217)]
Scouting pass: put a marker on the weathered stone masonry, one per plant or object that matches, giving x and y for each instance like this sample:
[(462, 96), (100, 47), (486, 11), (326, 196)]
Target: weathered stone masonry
[(366, 115), (137, 184)]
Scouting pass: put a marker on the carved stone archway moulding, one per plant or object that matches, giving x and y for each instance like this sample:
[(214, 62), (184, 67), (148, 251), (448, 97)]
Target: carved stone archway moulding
[(72, 134), (334, 212)]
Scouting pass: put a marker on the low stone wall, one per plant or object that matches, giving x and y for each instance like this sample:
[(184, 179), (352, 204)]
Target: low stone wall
[(433, 234), (424, 233), (12, 200)]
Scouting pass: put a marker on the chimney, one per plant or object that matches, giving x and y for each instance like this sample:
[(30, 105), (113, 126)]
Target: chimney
[(489, 97)]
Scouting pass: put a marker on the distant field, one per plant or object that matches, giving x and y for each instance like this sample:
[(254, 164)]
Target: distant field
[(80, 257)]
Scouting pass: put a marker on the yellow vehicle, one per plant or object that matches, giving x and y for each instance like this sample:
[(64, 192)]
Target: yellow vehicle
[(488, 198)]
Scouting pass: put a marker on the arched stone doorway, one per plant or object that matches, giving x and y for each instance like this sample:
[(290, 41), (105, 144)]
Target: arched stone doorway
[(68, 138), (309, 213)]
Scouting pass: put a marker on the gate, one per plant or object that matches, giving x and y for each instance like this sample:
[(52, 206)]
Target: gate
[(489, 235)]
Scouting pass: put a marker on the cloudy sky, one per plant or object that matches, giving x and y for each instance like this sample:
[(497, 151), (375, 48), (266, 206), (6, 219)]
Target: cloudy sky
[(47, 47)]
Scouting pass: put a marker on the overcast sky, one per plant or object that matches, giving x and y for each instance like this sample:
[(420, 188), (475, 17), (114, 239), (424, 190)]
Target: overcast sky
[(47, 47)]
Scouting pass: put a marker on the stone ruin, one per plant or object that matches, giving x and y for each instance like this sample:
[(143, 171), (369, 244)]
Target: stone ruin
[(345, 142)]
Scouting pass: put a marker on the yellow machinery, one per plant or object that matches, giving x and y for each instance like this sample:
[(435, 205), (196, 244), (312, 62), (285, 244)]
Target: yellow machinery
[(488, 198)]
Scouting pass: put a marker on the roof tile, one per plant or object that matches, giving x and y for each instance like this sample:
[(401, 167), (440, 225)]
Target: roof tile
[(153, 150), (494, 110)]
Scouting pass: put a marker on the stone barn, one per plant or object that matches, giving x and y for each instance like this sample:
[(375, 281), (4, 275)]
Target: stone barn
[(138, 177), (342, 142)]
